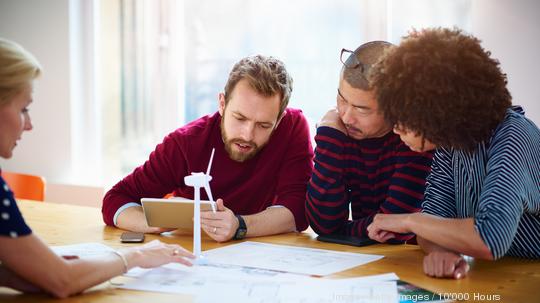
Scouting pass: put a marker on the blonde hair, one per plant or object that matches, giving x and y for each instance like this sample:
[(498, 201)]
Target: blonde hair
[(17, 68)]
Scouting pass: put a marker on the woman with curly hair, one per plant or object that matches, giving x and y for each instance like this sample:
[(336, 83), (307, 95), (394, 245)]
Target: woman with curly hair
[(443, 91)]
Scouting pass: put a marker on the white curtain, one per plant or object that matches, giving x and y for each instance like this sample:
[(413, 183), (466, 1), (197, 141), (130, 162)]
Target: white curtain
[(174, 56)]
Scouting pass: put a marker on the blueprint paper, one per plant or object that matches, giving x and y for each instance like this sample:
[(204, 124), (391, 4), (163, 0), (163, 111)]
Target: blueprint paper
[(293, 259)]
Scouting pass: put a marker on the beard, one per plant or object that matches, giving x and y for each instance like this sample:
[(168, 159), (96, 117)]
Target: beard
[(229, 143)]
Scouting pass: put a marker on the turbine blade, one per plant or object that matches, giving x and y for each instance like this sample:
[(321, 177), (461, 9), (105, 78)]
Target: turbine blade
[(208, 191), (210, 162)]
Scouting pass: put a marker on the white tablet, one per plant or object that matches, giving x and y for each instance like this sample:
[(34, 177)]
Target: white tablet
[(172, 213)]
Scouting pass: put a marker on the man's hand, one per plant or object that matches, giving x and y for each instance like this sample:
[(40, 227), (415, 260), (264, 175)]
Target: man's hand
[(382, 236), (221, 225), (445, 264), (332, 119), (384, 226)]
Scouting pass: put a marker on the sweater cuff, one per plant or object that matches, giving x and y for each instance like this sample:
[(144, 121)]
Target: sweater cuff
[(121, 209), (328, 131)]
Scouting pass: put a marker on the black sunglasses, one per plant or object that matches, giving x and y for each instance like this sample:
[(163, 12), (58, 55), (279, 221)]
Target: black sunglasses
[(350, 60)]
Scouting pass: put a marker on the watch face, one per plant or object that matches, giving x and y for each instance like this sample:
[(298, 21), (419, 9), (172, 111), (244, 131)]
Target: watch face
[(240, 234), (242, 229)]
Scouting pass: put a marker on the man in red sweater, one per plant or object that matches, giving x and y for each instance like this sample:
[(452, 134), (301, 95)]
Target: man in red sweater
[(262, 162)]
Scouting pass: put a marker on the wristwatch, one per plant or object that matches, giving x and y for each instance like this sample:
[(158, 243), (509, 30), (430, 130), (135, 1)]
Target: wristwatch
[(242, 229)]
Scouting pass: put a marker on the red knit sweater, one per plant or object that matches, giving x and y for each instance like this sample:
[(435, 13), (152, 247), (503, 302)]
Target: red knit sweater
[(277, 175)]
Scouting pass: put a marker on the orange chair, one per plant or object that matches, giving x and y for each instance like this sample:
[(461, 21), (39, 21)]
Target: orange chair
[(25, 186)]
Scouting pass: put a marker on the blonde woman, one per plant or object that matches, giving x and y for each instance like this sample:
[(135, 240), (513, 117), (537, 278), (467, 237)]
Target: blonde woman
[(27, 264)]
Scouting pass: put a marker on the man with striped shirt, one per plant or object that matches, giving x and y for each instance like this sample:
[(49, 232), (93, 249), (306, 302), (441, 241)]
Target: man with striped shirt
[(483, 194), (359, 162)]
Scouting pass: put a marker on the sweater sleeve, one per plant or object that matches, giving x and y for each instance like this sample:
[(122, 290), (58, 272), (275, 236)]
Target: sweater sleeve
[(405, 191), (158, 176), (328, 196), (327, 199), (295, 171)]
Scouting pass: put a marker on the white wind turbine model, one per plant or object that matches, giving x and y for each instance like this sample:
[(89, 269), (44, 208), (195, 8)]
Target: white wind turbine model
[(198, 180)]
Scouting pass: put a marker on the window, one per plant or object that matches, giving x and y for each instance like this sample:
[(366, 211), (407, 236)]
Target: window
[(163, 62), (143, 77)]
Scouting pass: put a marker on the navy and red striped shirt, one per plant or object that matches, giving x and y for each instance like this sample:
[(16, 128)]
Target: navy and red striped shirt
[(376, 175)]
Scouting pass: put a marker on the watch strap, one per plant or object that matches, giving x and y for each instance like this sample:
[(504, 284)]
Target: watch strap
[(241, 231)]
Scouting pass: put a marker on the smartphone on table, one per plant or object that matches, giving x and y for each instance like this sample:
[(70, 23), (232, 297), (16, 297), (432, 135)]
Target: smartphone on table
[(132, 237), (346, 240)]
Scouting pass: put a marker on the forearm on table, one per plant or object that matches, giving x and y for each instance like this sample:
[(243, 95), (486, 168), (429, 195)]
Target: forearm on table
[(133, 219), (459, 235), (55, 275), (273, 220), (428, 246), (5, 276)]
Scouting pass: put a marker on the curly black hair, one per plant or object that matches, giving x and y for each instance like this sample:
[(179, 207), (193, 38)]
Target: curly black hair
[(441, 84)]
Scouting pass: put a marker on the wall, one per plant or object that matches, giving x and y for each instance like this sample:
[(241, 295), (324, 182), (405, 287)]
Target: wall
[(511, 31), (42, 28), (74, 194)]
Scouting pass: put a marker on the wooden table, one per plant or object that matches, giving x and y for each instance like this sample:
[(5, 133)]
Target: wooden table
[(512, 280)]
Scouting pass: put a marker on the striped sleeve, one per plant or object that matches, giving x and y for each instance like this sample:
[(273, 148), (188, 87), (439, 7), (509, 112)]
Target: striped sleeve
[(439, 197), (327, 207), (397, 186), (406, 190), (513, 154)]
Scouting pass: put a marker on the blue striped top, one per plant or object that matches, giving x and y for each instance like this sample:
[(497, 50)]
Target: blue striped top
[(498, 185)]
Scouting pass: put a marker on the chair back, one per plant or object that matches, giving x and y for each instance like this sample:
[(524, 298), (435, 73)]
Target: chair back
[(24, 186)]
